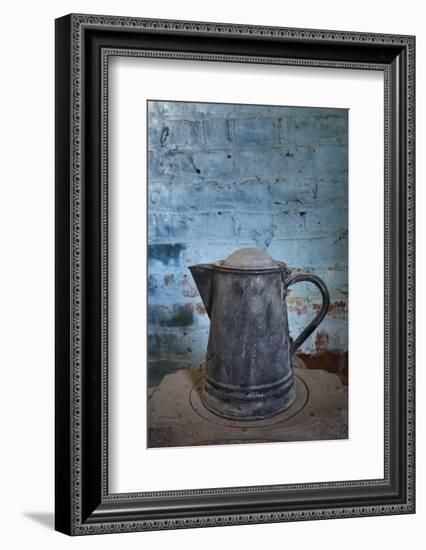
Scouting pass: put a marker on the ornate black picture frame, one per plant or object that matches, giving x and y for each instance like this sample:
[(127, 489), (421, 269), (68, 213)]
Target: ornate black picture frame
[(83, 45)]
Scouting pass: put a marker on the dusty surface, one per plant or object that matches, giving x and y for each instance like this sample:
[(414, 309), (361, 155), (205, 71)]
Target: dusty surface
[(177, 417)]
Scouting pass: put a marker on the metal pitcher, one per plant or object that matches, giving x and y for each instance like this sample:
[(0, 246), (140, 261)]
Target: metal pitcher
[(249, 354)]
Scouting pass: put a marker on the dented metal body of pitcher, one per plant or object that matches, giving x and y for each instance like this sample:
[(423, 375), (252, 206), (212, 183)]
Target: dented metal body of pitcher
[(249, 354)]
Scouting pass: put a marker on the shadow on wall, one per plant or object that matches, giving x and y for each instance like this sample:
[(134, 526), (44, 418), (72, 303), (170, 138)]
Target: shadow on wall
[(223, 177)]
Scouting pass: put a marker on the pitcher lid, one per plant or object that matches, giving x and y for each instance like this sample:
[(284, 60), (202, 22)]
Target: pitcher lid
[(250, 258)]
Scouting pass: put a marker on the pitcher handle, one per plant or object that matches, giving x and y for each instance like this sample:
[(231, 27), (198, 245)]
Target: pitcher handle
[(307, 331)]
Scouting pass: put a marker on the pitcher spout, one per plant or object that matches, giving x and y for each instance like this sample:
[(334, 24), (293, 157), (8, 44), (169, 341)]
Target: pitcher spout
[(203, 276)]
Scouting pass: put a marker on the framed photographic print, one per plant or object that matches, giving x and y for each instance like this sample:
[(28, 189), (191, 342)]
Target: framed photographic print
[(234, 274)]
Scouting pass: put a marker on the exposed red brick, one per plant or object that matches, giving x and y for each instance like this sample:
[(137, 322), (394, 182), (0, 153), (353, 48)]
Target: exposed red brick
[(321, 340), (190, 292), (199, 308), (297, 306), (331, 361), (337, 307)]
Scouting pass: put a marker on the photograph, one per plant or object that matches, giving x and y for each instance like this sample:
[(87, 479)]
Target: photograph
[(247, 279)]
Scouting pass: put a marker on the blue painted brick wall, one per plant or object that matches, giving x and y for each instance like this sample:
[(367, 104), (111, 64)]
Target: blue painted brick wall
[(222, 177)]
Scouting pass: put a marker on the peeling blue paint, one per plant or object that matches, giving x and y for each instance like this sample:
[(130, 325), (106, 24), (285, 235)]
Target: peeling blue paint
[(165, 253)]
